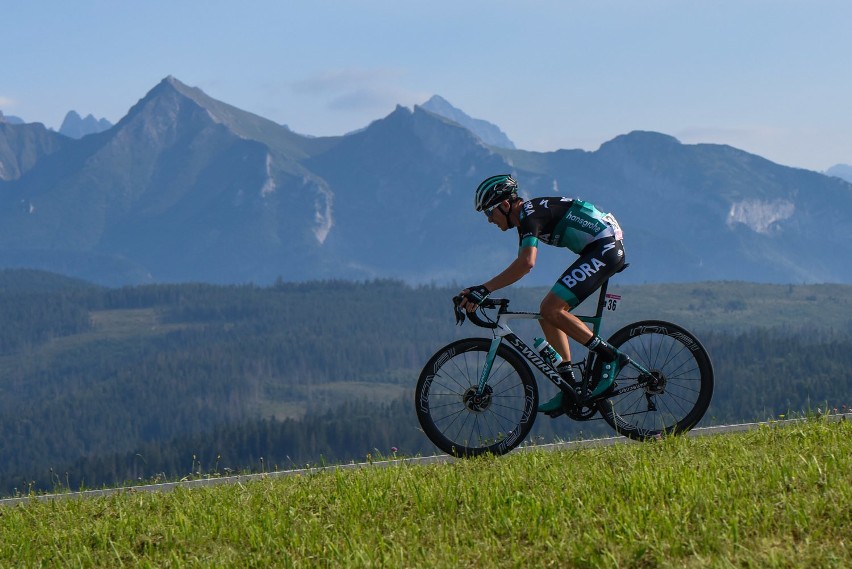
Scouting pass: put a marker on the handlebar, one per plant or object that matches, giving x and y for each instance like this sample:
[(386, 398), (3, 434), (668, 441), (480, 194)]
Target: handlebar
[(474, 316)]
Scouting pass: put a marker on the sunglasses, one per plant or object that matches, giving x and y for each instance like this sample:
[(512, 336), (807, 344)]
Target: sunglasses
[(490, 211)]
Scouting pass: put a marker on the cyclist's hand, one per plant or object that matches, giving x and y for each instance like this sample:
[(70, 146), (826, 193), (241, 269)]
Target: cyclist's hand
[(473, 297)]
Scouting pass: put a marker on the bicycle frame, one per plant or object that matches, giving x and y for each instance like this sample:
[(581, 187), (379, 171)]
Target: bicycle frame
[(503, 331), (476, 396)]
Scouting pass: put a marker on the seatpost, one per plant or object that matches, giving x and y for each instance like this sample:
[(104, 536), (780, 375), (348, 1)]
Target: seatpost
[(602, 299)]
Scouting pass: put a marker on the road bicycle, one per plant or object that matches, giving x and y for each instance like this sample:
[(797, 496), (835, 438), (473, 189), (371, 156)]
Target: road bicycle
[(479, 395)]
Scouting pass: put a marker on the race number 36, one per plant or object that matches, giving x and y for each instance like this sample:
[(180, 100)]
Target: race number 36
[(612, 301)]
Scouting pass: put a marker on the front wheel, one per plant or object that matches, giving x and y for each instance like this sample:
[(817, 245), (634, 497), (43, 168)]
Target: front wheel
[(464, 423), (676, 394)]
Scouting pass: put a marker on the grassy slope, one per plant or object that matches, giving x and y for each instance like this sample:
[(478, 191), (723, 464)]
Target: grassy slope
[(774, 497)]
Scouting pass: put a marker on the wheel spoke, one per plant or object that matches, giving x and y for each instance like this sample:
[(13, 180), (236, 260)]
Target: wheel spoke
[(676, 394), (460, 419)]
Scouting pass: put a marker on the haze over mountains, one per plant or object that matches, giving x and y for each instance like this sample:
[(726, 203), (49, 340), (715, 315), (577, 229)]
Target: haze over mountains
[(11, 119), (843, 171), (76, 126), (73, 125), (188, 188)]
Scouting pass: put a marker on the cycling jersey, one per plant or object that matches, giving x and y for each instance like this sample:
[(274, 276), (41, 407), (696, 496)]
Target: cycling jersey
[(564, 222), (582, 228)]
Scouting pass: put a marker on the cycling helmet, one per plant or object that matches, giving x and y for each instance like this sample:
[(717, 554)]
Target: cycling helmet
[(493, 190)]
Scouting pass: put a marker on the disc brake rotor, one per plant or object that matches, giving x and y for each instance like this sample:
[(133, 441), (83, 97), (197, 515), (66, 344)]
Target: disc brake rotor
[(478, 403)]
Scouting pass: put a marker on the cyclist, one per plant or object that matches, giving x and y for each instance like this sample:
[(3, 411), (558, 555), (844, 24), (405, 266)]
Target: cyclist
[(563, 222)]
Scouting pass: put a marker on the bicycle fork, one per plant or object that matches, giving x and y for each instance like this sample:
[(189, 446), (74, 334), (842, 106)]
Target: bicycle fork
[(489, 362)]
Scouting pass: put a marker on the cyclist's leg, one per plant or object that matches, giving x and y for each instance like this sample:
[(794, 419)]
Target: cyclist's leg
[(559, 324), (555, 336), (555, 309), (597, 262)]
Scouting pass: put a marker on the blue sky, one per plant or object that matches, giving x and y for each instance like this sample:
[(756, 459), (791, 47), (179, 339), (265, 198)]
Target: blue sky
[(767, 76)]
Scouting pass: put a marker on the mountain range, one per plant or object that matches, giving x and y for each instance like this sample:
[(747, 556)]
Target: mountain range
[(11, 119), (843, 171), (73, 125), (76, 126), (189, 188)]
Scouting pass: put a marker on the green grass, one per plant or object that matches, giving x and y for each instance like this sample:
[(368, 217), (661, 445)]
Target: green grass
[(773, 497)]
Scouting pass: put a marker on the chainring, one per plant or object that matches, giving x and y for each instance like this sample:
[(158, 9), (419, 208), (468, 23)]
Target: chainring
[(579, 412)]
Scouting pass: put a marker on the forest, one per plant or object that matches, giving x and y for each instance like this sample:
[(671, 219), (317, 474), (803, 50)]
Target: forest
[(103, 386)]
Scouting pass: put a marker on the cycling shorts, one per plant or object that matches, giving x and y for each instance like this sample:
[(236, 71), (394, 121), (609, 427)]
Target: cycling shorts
[(598, 261)]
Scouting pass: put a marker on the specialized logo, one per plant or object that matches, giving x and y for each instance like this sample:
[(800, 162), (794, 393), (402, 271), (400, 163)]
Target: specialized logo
[(443, 359), (424, 395), (582, 272), (623, 426), (512, 436), (684, 339), (539, 363)]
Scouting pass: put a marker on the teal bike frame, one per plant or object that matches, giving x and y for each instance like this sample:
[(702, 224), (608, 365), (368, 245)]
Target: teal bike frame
[(503, 332)]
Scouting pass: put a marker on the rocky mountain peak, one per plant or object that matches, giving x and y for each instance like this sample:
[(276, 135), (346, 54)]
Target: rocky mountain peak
[(489, 133), (77, 127)]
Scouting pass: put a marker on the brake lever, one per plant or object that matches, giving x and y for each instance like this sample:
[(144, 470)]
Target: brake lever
[(459, 311)]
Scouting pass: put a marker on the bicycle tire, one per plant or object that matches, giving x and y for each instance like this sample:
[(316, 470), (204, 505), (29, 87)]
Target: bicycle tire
[(680, 391), (461, 426)]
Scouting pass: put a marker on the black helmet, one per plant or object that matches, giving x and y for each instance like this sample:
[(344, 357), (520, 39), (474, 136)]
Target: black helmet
[(493, 190)]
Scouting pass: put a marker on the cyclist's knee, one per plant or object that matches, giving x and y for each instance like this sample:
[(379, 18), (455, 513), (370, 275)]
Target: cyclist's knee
[(552, 306)]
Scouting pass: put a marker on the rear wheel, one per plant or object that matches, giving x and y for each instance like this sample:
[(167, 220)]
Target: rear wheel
[(463, 423), (676, 394)]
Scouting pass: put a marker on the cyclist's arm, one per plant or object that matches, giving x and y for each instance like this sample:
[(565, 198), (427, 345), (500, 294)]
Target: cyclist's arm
[(519, 268)]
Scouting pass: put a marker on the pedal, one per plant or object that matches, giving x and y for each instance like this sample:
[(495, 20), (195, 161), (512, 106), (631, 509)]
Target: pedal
[(555, 413)]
